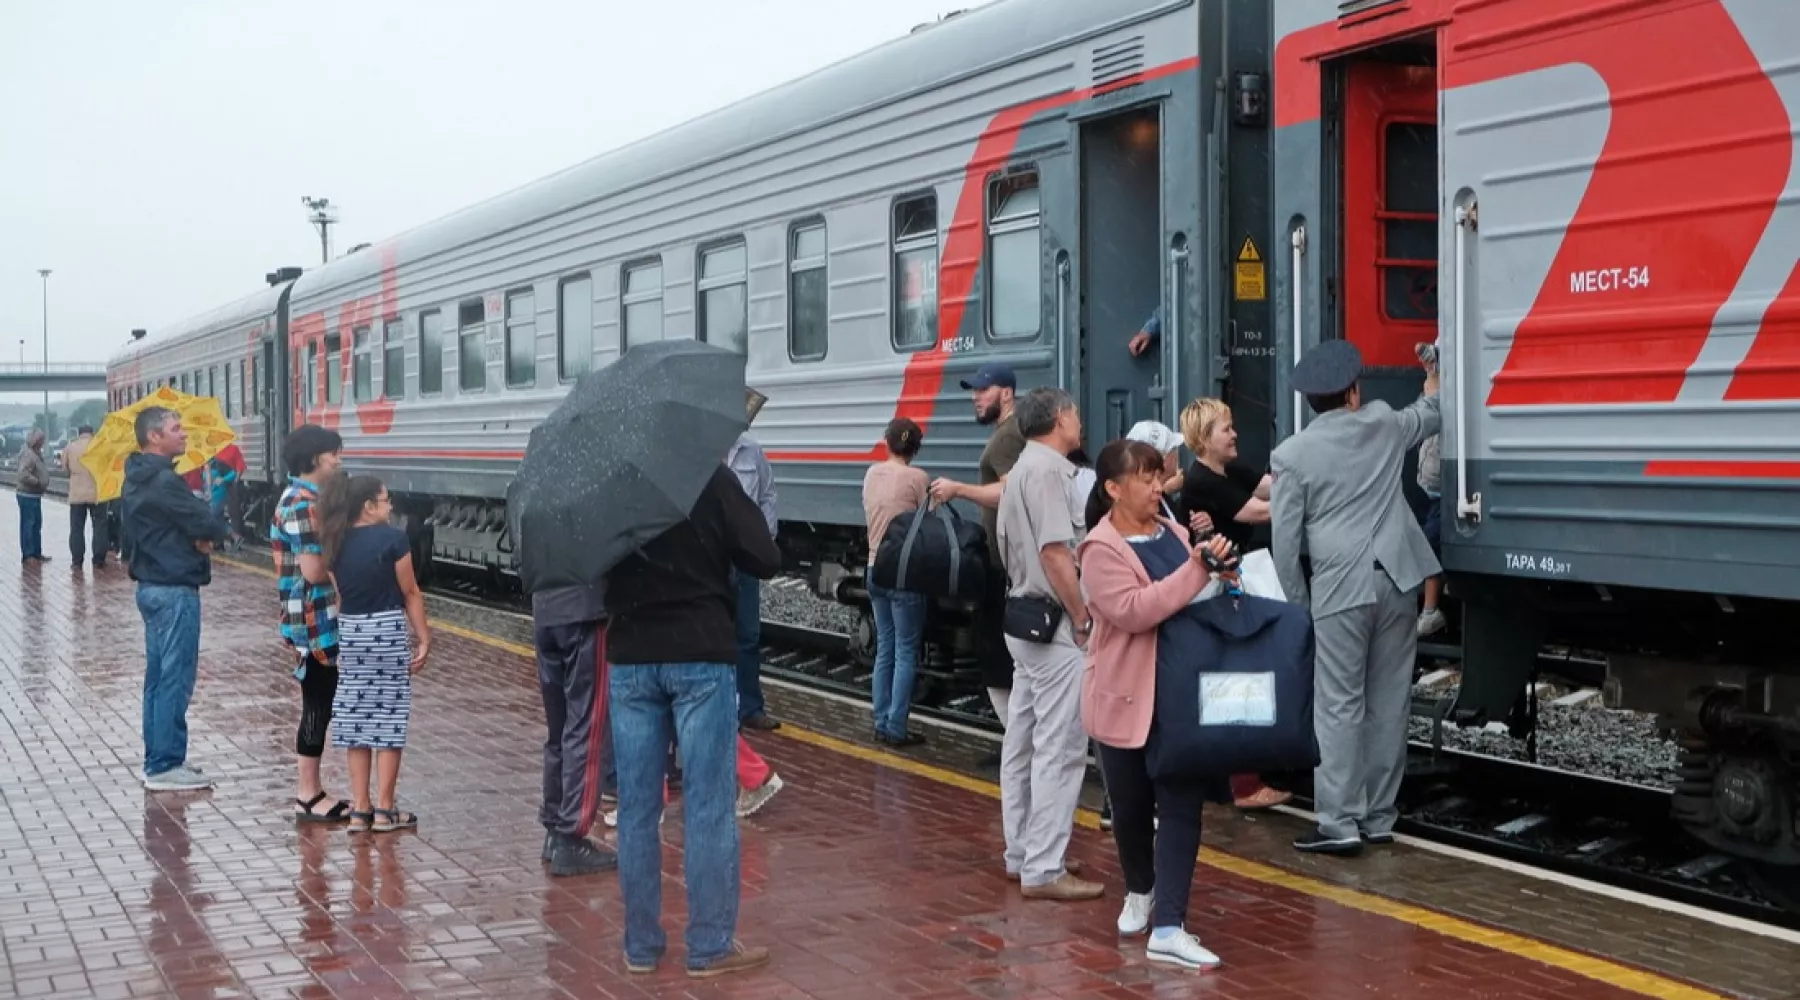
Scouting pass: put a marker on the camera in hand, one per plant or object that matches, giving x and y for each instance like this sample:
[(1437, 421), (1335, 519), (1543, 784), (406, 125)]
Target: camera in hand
[(1225, 565)]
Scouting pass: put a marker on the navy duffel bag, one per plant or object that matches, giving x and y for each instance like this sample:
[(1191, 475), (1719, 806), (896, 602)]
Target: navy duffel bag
[(1234, 690)]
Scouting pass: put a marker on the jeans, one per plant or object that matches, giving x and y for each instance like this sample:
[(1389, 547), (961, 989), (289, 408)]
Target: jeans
[(31, 526), (79, 516), (171, 659), (692, 703), (899, 623), (749, 636)]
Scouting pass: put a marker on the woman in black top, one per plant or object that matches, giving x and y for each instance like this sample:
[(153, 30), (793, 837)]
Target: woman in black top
[(1235, 498), (378, 597)]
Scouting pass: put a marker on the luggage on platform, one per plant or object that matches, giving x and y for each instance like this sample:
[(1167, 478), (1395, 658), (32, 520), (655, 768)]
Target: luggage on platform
[(1234, 690), (933, 552)]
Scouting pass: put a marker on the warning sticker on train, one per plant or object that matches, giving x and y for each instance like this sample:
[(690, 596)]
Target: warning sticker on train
[(1249, 284)]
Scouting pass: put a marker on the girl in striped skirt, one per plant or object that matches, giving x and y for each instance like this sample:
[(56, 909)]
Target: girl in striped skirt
[(378, 595)]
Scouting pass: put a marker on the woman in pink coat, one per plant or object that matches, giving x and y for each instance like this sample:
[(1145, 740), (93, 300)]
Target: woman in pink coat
[(1138, 571)]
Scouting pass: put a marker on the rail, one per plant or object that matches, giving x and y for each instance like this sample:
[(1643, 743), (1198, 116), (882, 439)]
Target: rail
[(60, 368)]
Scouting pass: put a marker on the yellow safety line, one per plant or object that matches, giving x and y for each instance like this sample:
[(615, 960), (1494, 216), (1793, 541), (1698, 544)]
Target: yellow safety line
[(1601, 970)]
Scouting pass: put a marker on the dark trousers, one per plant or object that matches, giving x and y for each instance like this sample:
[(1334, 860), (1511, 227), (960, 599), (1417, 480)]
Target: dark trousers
[(749, 637), (1156, 825), (318, 688), (79, 516), (572, 678)]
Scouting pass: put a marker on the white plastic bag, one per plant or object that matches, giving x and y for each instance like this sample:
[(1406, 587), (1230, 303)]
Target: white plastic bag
[(1257, 576)]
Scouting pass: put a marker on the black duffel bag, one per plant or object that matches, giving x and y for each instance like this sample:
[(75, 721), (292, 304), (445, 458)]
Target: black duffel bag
[(935, 553)]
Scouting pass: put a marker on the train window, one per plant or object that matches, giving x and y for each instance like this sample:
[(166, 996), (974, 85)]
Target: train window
[(521, 338), (1015, 257), (255, 384), (246, 397), (334, 369), (1408, 252), (362, 365), (431, 353), (724, 297), (311, 369), (641, 320), (393, 359), (212, 381), (809, 307), (187, 387), (575, 327), (227, 394), (471, 346), (915, 273)]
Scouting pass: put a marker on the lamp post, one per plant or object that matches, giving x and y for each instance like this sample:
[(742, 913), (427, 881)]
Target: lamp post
[(44, 273)]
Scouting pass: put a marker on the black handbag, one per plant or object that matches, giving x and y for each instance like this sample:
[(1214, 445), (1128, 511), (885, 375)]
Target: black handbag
[(933, 551), (1032, 619)]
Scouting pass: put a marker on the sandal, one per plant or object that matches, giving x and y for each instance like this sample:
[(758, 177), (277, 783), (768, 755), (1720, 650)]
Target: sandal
[(395, 819), (307, 814), (1265, 798), (360, 822)]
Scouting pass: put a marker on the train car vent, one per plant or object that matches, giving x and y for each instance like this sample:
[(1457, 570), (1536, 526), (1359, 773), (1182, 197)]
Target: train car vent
[(1350, 7), (1116, 62)]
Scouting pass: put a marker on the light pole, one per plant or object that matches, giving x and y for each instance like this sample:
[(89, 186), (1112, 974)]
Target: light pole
[(323, 215), (44, 273)]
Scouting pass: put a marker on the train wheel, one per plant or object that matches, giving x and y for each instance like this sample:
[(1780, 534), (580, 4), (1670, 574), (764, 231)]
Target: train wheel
[(862, 639)]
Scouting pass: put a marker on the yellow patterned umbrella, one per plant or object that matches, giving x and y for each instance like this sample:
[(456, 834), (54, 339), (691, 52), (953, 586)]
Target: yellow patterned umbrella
[(207, 430)]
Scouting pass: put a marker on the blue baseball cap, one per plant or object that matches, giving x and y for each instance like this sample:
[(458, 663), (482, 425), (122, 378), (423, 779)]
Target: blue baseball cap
[(990, 375)]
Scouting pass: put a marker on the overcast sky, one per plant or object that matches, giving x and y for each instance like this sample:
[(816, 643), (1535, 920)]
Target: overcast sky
[(154, 154)]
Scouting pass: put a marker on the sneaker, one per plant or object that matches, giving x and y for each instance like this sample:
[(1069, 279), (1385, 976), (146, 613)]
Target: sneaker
[(177, 779), (1381, 839), (760, 721), (640, 968), (738, 959), (610, 818), (1134, 919), (1180, 948), (1431, 622), (580, 856), (1317, 842), (1067, 888), (549, 846), (749, 800)]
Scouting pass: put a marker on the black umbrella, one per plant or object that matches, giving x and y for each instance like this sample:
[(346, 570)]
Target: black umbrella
[(623, 459)]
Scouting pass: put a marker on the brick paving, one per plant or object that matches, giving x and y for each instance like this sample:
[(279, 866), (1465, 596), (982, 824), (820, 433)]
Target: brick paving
[(867, 880)]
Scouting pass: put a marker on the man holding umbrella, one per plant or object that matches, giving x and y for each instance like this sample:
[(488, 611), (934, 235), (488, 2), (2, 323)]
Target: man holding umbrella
[(626, 483)]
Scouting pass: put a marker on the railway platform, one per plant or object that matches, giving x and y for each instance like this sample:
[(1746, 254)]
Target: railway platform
[(872, 874)]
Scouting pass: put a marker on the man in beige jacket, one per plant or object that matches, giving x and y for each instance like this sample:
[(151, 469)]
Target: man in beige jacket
[(83, 501)]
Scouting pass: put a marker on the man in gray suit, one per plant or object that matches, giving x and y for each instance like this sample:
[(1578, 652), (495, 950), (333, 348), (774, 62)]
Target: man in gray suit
[(1336, 495)]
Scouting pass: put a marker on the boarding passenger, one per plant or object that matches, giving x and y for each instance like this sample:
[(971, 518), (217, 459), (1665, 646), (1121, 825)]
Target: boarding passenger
[(29, 484), (379, 597), (1138, 571), (84, 501), (1149, 336), (757, 476), (309, 609), (168, 537), (1230, 497), (568, 626), (1431, 521), (1044, 753), (992, 388), (673, 641), (890, 488), (1336, 495)]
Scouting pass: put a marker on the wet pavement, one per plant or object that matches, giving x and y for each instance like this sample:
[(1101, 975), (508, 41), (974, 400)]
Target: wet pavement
[(869, 876)]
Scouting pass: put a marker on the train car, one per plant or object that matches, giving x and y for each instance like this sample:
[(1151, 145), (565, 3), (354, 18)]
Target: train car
[(1607, 192)]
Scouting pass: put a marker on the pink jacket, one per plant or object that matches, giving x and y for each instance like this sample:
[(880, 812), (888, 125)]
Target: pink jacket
[(1118, 692)]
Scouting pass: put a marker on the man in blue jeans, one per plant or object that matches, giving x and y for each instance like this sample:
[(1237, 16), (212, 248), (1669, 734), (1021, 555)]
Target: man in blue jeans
[(757, 477), (671, 644), (168, 535)]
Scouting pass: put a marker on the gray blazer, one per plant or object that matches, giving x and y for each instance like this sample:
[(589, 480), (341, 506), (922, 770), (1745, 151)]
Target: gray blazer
[(1336, 496)]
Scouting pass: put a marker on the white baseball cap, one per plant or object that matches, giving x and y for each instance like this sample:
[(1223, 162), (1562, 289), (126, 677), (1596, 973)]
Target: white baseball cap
[(1157, 435)]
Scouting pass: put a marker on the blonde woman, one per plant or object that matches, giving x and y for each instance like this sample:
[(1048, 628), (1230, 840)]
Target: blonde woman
[(1234, 498)]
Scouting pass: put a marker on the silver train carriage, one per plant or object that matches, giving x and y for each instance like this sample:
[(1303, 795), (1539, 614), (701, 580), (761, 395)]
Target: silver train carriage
[(1607, 189)]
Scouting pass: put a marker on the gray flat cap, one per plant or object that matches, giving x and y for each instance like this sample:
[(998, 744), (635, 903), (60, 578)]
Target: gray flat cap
[(1328, 369)]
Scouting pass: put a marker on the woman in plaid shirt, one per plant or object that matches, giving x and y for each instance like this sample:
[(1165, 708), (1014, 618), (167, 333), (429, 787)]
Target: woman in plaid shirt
[(308, 608)]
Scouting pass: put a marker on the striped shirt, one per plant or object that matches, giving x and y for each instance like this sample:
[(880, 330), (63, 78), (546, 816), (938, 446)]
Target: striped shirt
[(308, 610)]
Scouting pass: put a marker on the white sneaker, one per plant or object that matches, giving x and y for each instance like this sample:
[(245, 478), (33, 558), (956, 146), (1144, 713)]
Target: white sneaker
[(1431, 622), (1134, 919), (611, 818), (177, 779), (1181, 948), (751, 799)]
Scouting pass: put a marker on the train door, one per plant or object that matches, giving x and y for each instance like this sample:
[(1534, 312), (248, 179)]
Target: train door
[(1119, 268)]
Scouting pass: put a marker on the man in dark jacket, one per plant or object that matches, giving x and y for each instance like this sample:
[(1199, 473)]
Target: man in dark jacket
[(568, 626), (169, 534)]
